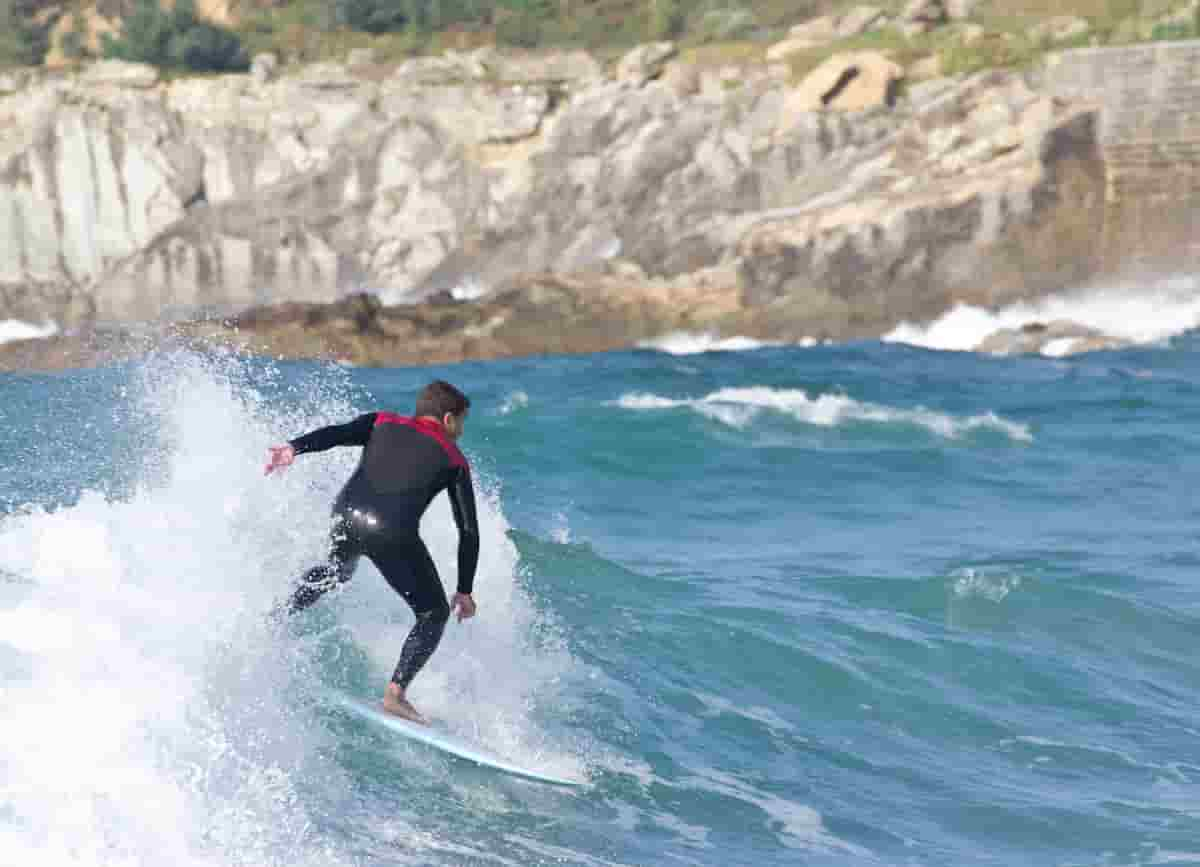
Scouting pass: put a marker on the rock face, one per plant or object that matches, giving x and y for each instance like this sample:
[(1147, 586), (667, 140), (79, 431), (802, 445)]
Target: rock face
[(645, 62), (930, 212), (652, 200)]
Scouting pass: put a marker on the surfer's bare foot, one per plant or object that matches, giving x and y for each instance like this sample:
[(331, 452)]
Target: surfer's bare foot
[(395, 702)]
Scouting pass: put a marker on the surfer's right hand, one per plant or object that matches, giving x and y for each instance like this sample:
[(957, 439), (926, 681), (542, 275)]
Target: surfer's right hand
[(465, 606), (281, 456)]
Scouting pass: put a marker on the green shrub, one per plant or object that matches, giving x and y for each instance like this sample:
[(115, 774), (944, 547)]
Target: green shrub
[(720, 25), (523, 23), (71, 42), (520, 30), (22, 43), (176, 38), (664, 19), (1170, 30), (372, 16), (420, 16)]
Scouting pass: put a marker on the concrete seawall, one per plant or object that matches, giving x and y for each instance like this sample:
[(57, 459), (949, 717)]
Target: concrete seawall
[(1149, 100)]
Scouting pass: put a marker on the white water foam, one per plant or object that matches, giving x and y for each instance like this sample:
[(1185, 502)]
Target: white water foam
[(1140, 314), (689, 343), (151, 715), (738, 407), (15, 329), (796, 825), (515, 401), (984, 583), (470, 289)]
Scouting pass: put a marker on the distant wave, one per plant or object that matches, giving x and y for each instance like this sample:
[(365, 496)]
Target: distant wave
[(1139, 314), (15, 329), (689, 343), (737, 407)]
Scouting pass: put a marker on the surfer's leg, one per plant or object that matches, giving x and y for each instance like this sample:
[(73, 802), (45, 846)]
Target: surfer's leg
[(424, 594), (337, 570), (410, 571)]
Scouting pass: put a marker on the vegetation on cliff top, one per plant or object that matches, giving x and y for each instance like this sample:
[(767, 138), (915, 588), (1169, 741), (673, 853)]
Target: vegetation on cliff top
[(176, 39), (186, 36)]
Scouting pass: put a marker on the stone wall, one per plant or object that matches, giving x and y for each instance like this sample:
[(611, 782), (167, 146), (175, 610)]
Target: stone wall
[(1149, 101)]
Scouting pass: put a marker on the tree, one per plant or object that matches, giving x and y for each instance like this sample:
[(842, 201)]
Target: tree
[(665, 19), (521, 22), (21, 42), (206, 48), (371, 16), (176, 38)]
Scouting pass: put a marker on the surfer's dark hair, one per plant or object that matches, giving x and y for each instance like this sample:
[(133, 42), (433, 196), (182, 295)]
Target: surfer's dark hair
[(439, 398)]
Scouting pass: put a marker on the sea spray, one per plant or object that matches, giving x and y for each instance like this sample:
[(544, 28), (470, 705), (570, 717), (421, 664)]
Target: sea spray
[(1139, 314), (161, 715)]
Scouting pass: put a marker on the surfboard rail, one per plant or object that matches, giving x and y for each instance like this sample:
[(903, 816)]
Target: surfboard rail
[(445, 742)]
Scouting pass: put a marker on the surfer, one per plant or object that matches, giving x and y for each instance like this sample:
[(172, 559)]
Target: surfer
[(406, 461)]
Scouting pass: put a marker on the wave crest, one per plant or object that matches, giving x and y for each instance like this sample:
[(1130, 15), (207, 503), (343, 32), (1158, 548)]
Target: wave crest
[(737, 407)]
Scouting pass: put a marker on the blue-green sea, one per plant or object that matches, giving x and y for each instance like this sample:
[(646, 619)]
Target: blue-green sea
[(862, 604)]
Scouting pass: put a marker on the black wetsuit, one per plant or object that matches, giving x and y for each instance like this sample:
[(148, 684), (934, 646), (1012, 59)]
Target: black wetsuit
[(405, 463)]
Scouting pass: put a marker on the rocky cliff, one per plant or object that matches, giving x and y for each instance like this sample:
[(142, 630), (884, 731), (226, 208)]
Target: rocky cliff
[(649, 197)]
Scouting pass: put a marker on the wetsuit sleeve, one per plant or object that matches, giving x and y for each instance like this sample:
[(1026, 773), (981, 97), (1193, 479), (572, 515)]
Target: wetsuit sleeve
[(353, 433), (462, 502)]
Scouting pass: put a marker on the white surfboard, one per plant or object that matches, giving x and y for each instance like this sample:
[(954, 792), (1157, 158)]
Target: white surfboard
[(444, 741)]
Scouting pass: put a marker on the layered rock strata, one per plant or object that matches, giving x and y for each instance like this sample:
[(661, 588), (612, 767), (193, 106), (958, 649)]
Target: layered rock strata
[(663, 198)]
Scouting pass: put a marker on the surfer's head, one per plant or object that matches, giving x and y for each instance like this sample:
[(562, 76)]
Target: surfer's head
[(442, 401)]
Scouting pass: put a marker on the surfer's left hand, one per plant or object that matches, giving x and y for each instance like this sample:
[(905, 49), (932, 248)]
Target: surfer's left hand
[(465, 606)]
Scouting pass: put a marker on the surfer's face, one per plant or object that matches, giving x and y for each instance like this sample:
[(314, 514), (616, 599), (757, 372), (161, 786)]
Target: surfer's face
[(454, 424)]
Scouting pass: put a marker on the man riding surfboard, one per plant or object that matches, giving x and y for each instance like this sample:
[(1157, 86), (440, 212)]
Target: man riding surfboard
[(406, 461)]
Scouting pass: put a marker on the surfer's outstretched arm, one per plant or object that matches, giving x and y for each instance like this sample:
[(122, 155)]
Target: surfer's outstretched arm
[(352, 433), (462, 503)]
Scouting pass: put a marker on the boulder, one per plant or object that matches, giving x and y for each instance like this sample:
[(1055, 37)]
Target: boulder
[(989, 117), (12, 80), (1057, 338), (926, 68), (120, 73), (575, 67), (646, 62), (859, 20), (450, 68), (848, 82), (781, 51), (1059, 29), (683, 78), (972, 34), (263, 67), (960, 10), (921, 16), (326, 76), (816, 31)]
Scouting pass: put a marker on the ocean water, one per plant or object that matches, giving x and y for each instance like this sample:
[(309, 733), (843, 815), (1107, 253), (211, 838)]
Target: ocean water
[(876, 603)]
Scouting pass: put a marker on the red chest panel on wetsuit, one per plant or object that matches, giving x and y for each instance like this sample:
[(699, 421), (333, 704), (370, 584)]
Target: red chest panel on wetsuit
[(428, 428)]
